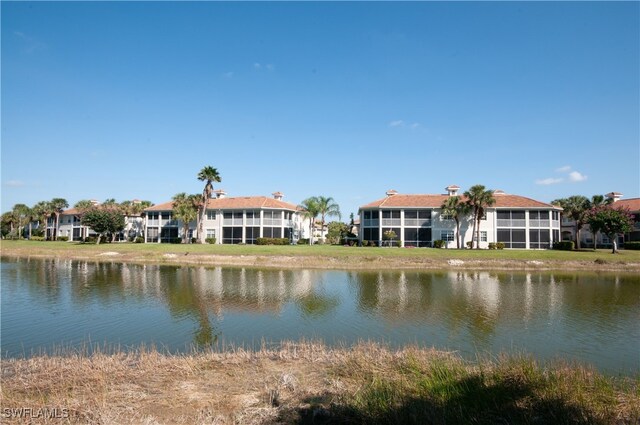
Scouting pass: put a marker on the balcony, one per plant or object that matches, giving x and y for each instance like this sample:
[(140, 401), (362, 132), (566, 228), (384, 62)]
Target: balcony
[(371, 222), (539, 223), (391, 222), (272, 222), (512, 223), (417, 222)]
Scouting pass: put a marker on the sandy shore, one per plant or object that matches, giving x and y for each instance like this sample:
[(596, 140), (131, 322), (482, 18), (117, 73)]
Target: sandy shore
[(372, 262)]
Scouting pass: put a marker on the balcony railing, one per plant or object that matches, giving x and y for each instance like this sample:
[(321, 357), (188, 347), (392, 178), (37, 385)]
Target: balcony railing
[(169, 223), (539, 223), (511, 223), (371, 222), (391, 222), (272, 222), (153, 222), (252, 221), (417, 222)]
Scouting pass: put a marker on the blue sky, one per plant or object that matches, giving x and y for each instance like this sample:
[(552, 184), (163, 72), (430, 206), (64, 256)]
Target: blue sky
[(131, 99)]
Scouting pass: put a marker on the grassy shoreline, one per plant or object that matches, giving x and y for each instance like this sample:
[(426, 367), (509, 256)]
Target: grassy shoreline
[(311, 383), (328, 257)]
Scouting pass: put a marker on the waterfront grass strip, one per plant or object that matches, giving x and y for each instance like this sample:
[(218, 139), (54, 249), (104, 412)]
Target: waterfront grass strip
[(313, 383)]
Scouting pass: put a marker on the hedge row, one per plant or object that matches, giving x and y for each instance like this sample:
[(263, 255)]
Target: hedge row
[(272, 241), (563, 245), (632, 245)]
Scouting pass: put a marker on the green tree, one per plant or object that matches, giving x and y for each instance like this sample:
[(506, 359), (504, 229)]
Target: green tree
[(104, 221), (310, 211), (610, 221), (574, 207), (478, 199), (455, 208), (83, 205), (22, 215), (185, 208), (8, 223), (336, 230), (210, 175), (327, 207), (58, 205)]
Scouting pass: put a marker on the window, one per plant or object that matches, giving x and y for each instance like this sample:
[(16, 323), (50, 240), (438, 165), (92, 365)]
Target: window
[(152, 234), (271, 232), (447, 235), (211, 233), (211, 215), (391, 214), (419, 237), (251, 234), (483, 236), (512, 238), (168, 234), (539, 239), (231, 235), (371, 234), (445, 216)]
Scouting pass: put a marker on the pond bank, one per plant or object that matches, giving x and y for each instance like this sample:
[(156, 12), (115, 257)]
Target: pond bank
[(336, 258), (311, 383)]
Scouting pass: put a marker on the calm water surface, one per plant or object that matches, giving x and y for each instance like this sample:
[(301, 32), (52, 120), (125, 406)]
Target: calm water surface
[(589, 317)]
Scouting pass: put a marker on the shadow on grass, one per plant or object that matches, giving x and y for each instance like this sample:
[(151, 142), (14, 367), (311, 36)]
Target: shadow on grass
[(466, 401)]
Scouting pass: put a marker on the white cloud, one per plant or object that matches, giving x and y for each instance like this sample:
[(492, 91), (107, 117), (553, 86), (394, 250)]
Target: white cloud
[(549, 181), (257, 66), (564, 169), (415, 125), (575, 176), (396, 123), (15, 183)]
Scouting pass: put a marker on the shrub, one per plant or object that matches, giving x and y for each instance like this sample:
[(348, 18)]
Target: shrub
[(303, 241), (365, 243), (139, 239), (37, 238), (176, 240), (211, 241), (470, 244), (492, 245), (63, 238), (274, 241), (500, 245), (563, 245), (632, 245), (438, 244)]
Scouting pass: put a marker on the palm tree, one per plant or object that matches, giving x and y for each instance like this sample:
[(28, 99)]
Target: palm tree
[(210, 175), (478, 198), (455, 208), (42, 211), (58, 205), (22, 215), (310, 211), (327, 207), (83, 205), (185, 208), (595, 202), (574, 207)]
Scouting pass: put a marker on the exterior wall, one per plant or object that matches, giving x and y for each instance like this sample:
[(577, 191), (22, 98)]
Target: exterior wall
[(442, 228), (242, 223)]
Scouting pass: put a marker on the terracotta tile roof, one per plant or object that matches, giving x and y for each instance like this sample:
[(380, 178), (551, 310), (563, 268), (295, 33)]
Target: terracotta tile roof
[(71, 211), (435, 201), (238, 202), (633, 204)]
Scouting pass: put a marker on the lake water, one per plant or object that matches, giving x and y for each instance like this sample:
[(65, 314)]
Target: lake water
[(590, 317)]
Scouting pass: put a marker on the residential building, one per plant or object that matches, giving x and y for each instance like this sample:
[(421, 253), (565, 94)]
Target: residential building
[(418, 221), (231, 220), (587, 237)]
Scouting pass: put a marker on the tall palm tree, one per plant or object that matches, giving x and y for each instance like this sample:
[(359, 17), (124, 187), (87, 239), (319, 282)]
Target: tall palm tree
[(479, 199), (210, 175), (83, 205), (574, 207), (185, 208), (22, 214), (327, 207), (454, 207), (310, 210), (42, 211), (58, 205)]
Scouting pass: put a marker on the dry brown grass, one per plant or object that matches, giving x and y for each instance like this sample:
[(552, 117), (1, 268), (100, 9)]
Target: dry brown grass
[(307, 383)]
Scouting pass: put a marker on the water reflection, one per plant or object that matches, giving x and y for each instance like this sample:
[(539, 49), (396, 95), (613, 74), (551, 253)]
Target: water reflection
[(592, 316)]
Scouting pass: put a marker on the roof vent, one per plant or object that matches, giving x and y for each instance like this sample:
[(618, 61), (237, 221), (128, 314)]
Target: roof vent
[(614, 196), (392, 192), (220, 193), (278, 196), (499, 192), (452, 190)]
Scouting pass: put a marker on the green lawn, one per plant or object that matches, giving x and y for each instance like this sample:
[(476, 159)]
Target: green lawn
[(72, 248)]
